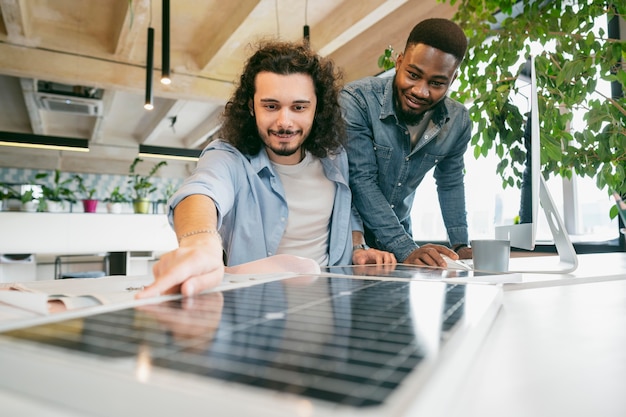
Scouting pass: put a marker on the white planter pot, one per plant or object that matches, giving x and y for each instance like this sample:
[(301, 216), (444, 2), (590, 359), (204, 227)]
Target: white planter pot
[(30, 206), (56, 206), (115, 208)]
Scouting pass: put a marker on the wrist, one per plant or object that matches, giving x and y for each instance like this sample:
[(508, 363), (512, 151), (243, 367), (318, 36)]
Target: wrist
[(459, 246), (199, 234), (359, 246)]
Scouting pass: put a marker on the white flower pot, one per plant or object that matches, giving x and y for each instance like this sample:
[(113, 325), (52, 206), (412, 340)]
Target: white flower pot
[(30, 206), (114, 208), (56, 206)]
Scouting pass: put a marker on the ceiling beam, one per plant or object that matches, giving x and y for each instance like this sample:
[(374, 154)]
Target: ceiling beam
[(19, 61), (15, 21), (348, 21), (29, 87), (231, 16), (198, 136), (107, 102), (133, 24), (160, 115)]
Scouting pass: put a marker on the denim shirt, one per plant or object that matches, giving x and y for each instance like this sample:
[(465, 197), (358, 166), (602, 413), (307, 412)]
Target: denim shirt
[(385, 171), (251, 206)]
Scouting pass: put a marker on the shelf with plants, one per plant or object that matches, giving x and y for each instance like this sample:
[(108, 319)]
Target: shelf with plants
[(142, 186), (57, 195), (86, 194), (116, 200)]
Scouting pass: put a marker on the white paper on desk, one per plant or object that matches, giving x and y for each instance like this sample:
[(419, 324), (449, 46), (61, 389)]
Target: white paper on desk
[(37, 303), (76, 293)]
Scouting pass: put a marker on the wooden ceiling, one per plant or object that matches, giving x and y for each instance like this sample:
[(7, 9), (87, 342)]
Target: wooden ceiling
[(102, 44)]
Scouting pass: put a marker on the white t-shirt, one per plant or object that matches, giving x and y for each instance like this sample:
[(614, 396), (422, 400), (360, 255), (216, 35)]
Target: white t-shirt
[(310, 196)]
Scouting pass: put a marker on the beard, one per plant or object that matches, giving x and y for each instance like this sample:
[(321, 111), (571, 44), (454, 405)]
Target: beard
[(283, 149), (407, 116)]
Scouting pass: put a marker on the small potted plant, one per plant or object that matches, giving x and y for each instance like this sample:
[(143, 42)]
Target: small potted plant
[(166, 193), (115, 200), (29, 202), (57, 195), (90, 204), (7, 193), (142, 186)]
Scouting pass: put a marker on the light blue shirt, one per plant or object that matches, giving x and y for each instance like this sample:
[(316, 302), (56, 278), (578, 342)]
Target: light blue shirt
[(251, 206), (385, 170)]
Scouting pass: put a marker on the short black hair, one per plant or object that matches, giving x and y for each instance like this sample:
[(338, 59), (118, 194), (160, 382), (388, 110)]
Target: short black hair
[(442, 34)]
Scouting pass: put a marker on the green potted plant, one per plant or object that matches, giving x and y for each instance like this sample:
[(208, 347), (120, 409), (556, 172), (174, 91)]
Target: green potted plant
[(58, 194), (7, 193), (115, 200), (90, 204), (30, 203), (574, 56), (166, 193), (142, 186)]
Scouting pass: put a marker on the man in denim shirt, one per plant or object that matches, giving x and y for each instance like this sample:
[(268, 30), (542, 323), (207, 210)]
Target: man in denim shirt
[(398, 129), (277, 182)]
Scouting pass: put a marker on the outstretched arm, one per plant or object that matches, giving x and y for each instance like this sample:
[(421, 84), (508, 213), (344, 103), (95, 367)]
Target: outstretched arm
[(197, 264)]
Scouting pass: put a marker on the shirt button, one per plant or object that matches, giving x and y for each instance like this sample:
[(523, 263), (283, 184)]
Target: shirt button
[(282, 219), (425, 136), (374, 147), (269, 253), (393, 206), (436, 160), (406, 159), (399, 184)]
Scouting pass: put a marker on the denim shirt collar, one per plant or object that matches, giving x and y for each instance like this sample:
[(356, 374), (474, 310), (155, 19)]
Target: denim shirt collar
[(440, 114), (261, 162)]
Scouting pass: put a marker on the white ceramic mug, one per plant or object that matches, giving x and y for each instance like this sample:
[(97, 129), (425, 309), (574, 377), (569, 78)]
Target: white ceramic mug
[(491, 255)]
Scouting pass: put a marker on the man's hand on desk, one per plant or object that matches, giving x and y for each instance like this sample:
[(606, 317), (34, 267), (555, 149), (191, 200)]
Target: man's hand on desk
[(195, 266), (372, 256), (430, 255)]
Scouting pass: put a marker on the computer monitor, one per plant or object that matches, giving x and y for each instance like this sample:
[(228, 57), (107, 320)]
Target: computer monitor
[(523, 235)]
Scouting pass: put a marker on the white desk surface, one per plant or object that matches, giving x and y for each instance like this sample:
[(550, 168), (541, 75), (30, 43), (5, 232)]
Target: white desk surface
[(591, 268), (556, 348), (552, 351)]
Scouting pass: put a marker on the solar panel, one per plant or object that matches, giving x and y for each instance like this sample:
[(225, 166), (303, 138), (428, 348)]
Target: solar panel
[(336, 344)]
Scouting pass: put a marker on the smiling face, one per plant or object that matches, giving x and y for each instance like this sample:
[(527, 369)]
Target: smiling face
[(284, 109), (423, 76)]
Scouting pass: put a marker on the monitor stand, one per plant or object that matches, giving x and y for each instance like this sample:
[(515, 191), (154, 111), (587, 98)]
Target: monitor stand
[(568, 260)]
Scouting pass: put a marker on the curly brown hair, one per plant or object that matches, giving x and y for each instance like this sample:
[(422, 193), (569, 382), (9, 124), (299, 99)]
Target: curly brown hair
[(327, 133)]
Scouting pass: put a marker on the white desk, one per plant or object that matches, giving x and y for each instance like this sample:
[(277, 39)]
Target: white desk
[(556, 348), (552, 351), (591, 268)]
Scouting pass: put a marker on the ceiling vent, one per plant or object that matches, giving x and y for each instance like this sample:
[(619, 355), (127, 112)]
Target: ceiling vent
[(68, 98), (53, 102)]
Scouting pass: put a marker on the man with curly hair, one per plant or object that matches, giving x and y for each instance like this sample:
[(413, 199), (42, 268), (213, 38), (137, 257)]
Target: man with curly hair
[(401, 127), (276, 183)]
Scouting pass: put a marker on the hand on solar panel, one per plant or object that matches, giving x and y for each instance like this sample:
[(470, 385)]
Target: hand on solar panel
[(374, 270), (372, 256), (195, 266)]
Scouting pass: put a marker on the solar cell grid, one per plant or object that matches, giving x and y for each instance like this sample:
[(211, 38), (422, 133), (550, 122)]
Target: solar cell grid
[(342, 340)]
